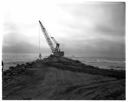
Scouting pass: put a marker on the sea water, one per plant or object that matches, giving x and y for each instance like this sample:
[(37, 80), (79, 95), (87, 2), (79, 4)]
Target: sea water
[(11, 59), (101, 62)]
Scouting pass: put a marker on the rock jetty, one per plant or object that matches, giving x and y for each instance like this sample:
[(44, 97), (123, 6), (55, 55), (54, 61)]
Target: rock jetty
[(61, 78)]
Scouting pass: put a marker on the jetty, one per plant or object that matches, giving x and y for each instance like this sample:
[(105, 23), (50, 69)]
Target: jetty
[(62, 78)]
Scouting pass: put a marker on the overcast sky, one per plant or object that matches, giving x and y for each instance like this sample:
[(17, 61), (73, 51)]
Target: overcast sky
[(82, 28)]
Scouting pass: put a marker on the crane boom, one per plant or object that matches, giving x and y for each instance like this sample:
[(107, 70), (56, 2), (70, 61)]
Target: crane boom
[(54, 40), (47, 37)]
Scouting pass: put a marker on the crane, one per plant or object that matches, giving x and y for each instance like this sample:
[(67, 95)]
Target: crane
[(56, 51), (47, 37), (57, 44)]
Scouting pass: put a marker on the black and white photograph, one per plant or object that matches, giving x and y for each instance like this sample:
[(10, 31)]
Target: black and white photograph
[(63, 50)]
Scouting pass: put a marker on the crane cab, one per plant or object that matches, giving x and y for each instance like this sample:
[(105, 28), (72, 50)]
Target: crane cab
[(59, 54)]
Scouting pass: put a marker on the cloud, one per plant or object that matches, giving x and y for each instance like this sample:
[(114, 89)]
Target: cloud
[(23, 47), (96, 28)]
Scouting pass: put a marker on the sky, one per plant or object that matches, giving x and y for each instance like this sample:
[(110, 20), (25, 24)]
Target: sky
[(82, 28)]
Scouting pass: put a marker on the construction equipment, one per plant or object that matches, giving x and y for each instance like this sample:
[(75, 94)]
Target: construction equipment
[(57, 44), (55, 51)]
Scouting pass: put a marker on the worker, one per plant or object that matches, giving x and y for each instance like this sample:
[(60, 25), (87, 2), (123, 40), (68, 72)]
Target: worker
[(40, 56)]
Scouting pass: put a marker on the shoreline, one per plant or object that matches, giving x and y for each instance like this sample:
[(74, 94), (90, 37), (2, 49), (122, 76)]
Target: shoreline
[(95, 64)]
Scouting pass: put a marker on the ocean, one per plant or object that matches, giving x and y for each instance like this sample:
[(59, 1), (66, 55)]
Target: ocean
[(101, 62)]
